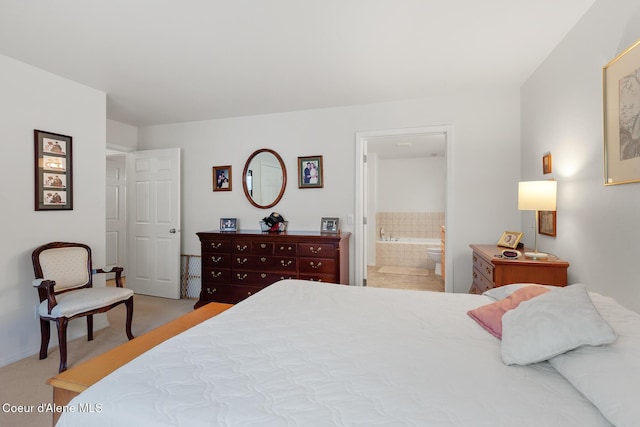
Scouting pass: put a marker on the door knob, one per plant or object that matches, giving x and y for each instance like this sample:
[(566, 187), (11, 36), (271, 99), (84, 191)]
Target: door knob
[(173, 231)]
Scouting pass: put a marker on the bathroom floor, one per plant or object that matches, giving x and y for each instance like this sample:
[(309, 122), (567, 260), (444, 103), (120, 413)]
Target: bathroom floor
[(397, 278)]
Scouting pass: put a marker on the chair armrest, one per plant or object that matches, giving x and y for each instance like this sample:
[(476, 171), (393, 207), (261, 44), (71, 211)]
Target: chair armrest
[(48, 286), (117, 270)]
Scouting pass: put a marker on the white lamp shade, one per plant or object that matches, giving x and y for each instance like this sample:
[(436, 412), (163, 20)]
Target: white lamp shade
[(537, 195)]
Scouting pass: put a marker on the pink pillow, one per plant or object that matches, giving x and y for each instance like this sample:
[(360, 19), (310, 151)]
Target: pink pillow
[(490, 316)]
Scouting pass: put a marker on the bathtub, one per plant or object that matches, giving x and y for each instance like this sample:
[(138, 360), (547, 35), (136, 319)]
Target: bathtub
[(406, 252)]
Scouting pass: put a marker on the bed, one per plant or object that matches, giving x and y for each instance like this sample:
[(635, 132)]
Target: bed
[(310, 354)]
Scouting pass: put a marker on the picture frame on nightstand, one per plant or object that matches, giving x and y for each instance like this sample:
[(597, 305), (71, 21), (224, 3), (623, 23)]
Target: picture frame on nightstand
[(510, 239)]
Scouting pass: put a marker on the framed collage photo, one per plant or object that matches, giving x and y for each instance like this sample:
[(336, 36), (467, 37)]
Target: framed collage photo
[(310, 174), (221, 178), (53, 171)]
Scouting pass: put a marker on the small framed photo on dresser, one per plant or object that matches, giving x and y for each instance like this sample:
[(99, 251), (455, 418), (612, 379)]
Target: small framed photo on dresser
[(330, 225), (510, 239), (228, 224)]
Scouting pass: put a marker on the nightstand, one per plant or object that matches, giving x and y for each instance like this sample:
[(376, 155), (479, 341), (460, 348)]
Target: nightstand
[(491, 271)]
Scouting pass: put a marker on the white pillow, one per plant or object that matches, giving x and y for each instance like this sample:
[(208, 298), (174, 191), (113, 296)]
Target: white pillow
[(551, 324), (609, 376), (501, 292)]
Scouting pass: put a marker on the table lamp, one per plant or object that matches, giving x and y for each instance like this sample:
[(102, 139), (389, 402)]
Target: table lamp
[(537, 196)]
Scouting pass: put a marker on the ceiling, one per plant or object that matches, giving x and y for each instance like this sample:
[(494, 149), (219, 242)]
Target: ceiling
[(163, 61)]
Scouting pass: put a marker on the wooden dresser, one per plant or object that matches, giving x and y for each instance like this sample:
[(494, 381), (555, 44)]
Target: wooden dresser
[(491, 271), (238, 264)]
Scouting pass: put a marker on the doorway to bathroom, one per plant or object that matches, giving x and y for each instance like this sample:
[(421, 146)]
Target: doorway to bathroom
[(403, 191)]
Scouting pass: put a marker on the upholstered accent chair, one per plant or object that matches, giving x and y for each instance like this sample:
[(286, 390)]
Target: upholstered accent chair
[(64, 279)]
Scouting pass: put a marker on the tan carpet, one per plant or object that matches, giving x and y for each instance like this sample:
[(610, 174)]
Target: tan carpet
[(404, 270), (24, 382)]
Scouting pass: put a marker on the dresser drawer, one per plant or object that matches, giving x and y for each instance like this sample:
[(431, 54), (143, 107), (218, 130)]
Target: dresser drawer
[(317, 265), (216, 260), (483, 267), (257, 262), (258, 278), (215, 275), (316, 250), (216, 246), (327, 278), (480, 281), (228, 293)]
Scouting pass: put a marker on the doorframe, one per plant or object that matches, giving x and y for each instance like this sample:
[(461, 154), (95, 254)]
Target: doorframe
[(361, 228)]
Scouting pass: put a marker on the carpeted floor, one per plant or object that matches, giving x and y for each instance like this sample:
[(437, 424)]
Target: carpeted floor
[(24, 382)]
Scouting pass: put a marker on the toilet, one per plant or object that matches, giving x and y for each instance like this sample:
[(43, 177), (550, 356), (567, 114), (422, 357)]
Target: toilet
[(435, 253)]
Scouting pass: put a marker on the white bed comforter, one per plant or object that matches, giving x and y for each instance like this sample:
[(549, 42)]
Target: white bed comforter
[(308, 354)]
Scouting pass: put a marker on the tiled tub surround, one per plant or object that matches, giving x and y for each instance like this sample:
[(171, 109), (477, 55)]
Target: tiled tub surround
[(412, 226)]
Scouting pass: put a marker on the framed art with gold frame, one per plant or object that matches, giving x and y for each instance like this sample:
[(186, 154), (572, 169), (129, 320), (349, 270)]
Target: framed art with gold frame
[(510, 239), (621, 95)]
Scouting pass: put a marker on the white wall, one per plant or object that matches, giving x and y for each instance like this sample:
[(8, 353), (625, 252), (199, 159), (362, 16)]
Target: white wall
[(122, 135), (34, 99), (597, 226), (412, 185), (485, 152)]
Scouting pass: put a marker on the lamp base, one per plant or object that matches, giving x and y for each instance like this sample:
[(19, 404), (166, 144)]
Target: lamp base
[(536, 255)]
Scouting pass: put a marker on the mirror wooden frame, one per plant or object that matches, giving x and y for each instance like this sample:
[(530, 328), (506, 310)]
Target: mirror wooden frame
[(244, 178)]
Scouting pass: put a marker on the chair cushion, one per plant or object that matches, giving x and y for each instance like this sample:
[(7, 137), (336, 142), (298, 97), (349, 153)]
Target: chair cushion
[(75, 302), (67, 266)]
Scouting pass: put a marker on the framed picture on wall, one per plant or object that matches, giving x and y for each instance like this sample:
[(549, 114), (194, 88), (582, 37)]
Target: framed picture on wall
[(221, 178), (547, 223), (53, 171), (622, 117), (310, 174)]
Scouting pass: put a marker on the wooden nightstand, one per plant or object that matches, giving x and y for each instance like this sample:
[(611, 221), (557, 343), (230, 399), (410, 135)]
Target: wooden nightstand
[(490, 271)]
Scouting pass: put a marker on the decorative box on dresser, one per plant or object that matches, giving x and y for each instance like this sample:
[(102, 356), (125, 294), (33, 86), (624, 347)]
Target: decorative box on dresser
[(235, 265), (491, 271)]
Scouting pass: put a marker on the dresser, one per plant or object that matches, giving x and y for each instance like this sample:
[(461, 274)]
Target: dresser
[(491, 271), (238, 264)]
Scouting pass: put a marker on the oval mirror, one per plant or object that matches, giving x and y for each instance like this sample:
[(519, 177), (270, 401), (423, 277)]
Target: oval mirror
[(264, 178)]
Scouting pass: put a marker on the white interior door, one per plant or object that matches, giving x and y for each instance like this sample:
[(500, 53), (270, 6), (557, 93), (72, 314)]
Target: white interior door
[(153, 186), (116, 213)]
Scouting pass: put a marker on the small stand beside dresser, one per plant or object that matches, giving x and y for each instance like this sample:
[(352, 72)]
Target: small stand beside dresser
[(491, 271), (238, 264)]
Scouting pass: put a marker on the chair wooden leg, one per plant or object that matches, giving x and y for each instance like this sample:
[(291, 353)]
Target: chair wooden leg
[(90, 327), (45, 335), (129, 304), (62, 342)]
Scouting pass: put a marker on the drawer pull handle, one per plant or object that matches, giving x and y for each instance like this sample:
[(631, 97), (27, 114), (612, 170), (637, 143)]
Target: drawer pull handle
[(311, 263), (216, 274), (263, 245), (263, 275), (241, 276), (282, 248), (475, 258), (285, 263), (488, 270), (241, 261), (315, 251), (215, 245), (211, 291), (241, 248), (249, 293), (216, 258), (263, 259)]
